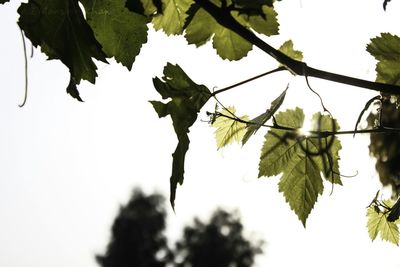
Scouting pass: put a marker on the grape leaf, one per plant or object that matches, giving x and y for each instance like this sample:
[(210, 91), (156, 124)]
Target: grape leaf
[(300, 159), (287, 49), (173, 17), (228, 130), (256, 123), (186, 100), (378, 223), (120, 32), (386, 49), (329, 163), (58, 26), (228, 44)]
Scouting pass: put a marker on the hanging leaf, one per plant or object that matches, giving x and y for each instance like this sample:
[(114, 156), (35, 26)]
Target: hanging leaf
[(121, 32), (260, 120), (301, 159), (59, 28), (228, 130), (378, 224), (186, 100)]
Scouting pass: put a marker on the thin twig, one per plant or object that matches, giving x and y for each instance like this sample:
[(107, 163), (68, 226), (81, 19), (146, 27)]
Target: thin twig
[(26, 70), (225, 19), (281, 68)]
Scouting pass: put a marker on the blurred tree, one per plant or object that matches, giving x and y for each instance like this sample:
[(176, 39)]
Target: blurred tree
[(219, 243), (385, 146), (138, 238)]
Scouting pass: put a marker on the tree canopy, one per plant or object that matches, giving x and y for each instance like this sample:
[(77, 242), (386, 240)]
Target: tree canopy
[(80, 32)]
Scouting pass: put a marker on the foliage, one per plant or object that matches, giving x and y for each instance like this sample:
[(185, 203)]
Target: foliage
[(118, 28), (138, 238), (218, 243), (138, 234), (379, 221)]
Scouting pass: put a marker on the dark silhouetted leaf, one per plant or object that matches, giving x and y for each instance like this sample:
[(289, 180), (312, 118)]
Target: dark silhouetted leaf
[(58, 26), (186, 100)]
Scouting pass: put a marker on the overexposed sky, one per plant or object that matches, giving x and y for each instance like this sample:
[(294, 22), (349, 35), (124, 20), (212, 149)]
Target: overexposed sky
[(65, 166)]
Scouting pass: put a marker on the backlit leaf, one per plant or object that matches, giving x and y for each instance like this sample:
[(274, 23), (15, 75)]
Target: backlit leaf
[(173, 17), (378, 224), (300, 159), (228, 44), (260, 120), (120, 32), (229, 130), (186, 98), (287, 49), (386, 49)]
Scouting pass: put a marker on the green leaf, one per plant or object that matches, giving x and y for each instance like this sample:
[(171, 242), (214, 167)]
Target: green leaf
[(329, 162), (301, 159), (228, 130), (203, 27), (173, 17), (287, 49), (279, 147), (256, 123), (58, 26), (378, 224), (186, 100), (120, 32), (301, 184), (386, 49)]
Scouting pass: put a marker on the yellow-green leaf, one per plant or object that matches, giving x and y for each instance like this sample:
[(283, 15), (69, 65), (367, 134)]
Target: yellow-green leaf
[(229, 130)]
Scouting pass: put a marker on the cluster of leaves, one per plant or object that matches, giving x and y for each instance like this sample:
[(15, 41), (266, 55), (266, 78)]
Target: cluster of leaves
[(118, 28)]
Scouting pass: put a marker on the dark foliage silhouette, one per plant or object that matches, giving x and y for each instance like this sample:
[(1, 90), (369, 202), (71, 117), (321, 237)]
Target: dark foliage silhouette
[(219, 243), (138, 238), (384, 146)]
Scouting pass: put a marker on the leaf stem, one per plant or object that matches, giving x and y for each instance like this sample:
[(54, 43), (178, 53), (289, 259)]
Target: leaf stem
[(281, 68), (26, 70)]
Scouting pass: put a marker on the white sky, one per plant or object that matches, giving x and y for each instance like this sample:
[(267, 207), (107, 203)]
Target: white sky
[(65, 167)]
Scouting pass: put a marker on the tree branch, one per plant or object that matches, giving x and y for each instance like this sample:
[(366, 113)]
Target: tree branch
[(224, 18)]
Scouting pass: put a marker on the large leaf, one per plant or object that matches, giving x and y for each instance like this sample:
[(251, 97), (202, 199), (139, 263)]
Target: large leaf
[(120, 32), (260, 120), (173, 17), (228, 44), (229, 130), (301, 159), (58, 26), (186, 100), (386, 49), (378, 224)]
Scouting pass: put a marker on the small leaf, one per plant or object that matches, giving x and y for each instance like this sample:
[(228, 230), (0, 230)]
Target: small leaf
[(260, 120), (287, 49), (378, 223), (228, 130), (186, 100)]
